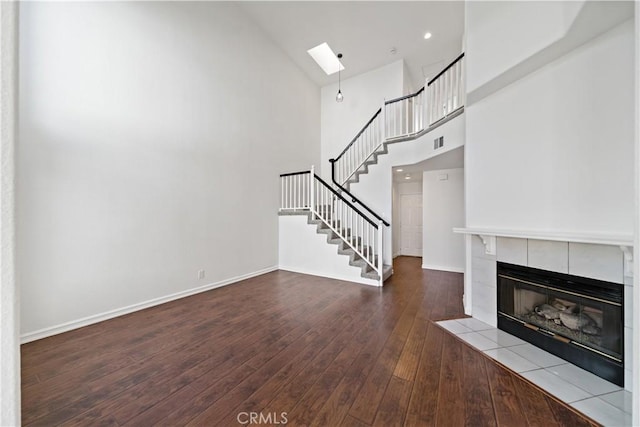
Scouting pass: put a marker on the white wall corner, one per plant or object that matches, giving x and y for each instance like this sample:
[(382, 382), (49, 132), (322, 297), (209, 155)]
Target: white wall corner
[(635, 374), (9, 299), (489, 244), (468, 283)]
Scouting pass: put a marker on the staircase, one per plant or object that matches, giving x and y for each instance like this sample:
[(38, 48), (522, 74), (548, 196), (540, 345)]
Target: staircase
[(402, 119), (384, 149), (355, 260), (347, 222)]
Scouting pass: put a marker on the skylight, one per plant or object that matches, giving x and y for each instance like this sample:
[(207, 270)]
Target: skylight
[(326, 59)]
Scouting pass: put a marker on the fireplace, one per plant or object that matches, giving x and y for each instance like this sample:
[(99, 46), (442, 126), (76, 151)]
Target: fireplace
[(576, 318)]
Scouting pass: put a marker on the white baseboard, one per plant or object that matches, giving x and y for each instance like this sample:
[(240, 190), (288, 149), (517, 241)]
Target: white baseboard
[(442, 268), (361, 281), (89, 320)]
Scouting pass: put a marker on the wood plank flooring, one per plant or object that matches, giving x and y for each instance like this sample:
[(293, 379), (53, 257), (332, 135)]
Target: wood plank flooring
[(323, 352)]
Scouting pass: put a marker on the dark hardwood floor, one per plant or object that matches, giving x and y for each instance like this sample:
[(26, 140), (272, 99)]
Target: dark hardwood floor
[(323, 352)]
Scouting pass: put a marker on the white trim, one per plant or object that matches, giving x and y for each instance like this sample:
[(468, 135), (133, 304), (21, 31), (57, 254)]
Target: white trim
[(627, 252), (467, 296), (361, 281), (411, 255), (598, 239), (9, 291), (442, 268), (489, 243), (89, 320), (635, 350)]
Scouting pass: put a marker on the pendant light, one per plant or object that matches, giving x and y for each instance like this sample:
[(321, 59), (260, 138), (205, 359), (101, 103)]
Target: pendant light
[(339, 96)]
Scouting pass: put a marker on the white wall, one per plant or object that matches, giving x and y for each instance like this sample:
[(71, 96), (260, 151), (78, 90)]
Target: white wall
[(443, 209), (9, 294), (152, 136), (363, 96), (530, 25), (407, 81), (553, 151), (303, 250)]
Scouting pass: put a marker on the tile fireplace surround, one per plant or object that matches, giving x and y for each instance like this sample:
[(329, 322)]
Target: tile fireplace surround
[(607, 258)]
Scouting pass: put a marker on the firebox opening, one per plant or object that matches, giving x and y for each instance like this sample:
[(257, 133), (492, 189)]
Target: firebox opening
[(576, 318)]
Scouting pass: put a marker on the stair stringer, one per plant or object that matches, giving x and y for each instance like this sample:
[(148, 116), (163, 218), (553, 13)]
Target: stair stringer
[(310, 247)]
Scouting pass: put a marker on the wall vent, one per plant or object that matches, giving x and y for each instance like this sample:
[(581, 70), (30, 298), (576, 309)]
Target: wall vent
[(438, 142)]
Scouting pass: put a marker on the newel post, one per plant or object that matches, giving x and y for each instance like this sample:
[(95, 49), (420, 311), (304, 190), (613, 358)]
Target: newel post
[(383, 126), (380, 252), (312, 192)]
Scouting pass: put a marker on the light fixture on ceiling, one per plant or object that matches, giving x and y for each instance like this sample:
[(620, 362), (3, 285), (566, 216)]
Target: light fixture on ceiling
[(407, 176), (427, 36), (399, 170), (339, 96)]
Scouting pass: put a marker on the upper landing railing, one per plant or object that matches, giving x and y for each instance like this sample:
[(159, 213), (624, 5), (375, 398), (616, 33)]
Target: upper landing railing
[(403, 118)]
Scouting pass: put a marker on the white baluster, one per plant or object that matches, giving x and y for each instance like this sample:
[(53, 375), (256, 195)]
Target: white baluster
[(445, 78), (287, 192), (383, 124), (443, 95), (457, 91), (351, 226), (365, 241), (334, 212), (340, 223)]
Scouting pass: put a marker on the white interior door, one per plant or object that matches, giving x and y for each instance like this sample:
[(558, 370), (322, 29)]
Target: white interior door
[(411, 224)]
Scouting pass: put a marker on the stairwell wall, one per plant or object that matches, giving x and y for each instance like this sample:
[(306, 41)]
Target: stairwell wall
[(152, 137)]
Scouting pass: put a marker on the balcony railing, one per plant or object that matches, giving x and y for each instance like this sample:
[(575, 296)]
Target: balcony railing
[(404, 117), (446, 91)]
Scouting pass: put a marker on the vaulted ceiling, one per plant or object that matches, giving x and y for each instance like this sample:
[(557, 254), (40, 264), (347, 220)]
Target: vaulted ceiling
[(365, 33)]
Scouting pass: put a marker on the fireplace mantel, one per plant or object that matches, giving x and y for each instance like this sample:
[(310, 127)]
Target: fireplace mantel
[(489, 235), (625, 240)]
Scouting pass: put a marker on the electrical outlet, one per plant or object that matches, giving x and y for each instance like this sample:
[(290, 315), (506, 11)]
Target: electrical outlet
[(201, 274)]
